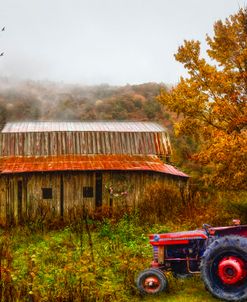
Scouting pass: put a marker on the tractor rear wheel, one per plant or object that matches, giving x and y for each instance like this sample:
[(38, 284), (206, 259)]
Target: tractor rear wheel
[(224, 268), (151, 281)]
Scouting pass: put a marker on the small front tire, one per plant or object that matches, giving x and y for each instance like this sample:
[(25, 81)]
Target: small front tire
[(151, 281)]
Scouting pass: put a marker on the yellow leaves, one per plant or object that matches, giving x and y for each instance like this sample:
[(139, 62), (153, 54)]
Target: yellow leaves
[(188, 53), (213, 102), (229, 42), (187, 127), (228, 154)]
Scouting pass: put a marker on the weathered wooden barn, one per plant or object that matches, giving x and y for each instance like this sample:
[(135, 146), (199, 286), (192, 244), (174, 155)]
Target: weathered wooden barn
[(64, 165)]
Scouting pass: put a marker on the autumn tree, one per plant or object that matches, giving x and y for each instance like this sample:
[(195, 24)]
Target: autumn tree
[(212, 101)]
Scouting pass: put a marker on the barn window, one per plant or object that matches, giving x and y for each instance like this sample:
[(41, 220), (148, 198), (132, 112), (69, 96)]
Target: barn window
[(87, 192), (47, 193)]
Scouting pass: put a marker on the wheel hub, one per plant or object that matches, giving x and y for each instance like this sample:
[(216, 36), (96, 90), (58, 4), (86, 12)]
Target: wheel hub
[(231, 270), (151, 284)]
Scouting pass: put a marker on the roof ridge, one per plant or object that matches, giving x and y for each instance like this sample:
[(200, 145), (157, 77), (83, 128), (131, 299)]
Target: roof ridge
[(83, 126)]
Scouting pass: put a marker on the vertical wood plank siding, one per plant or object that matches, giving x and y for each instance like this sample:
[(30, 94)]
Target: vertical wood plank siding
[(73, 191), (135, 183), (60, 143), (35, 183), (3, 198)]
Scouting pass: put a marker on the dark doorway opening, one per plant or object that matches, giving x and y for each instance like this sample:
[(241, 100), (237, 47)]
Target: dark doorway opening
[(98, 191), (19, 198)]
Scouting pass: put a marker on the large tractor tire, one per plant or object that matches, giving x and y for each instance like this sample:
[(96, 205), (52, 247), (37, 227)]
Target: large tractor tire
[(224, 268), (151, 281)]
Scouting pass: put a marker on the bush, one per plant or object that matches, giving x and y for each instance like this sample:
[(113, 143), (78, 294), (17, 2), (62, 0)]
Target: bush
[(188, 206), (235, 203)]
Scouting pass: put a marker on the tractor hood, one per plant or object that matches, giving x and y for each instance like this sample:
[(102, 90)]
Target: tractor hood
[(177, 238)]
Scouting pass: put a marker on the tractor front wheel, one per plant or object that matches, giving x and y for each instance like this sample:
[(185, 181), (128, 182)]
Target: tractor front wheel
[(151, 281), (224, 268)]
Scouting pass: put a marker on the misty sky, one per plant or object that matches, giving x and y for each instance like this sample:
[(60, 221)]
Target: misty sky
[(103, 41)]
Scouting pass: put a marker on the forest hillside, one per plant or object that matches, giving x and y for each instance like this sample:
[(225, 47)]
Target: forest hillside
[(29, 100)]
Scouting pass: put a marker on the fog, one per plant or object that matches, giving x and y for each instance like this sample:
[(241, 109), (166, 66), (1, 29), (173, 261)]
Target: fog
[(102, 41)]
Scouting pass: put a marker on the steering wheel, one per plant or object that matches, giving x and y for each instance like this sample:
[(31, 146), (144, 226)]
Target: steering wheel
[(206, 226)]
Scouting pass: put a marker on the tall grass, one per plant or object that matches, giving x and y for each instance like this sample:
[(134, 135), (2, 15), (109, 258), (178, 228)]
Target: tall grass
[(189, 207), (58, 265), (94, 261), (97, 256)]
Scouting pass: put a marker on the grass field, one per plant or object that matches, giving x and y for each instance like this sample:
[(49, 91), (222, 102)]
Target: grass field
[(191, 290), (96, 261)]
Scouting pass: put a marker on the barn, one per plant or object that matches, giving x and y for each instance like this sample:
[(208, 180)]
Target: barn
[(64, 165)]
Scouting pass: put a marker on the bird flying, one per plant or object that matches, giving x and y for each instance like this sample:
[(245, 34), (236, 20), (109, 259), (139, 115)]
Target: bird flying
[(3, 29), (1, 54)]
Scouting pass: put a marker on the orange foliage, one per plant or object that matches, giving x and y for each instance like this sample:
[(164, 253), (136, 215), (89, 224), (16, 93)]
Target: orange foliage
[(213, 101)]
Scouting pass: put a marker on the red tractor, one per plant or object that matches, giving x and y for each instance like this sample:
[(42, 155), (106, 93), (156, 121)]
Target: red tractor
[(219, 254)]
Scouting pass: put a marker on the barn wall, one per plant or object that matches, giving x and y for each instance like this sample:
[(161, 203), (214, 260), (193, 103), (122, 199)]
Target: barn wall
[(33, 205), (70, 185), (3, 199), (13, 198), (36, 205), (136, 184), (121, 183), (73, 192)]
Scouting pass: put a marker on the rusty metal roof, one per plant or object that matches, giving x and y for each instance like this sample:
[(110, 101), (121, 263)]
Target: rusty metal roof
[(93, 126), (86, 163)]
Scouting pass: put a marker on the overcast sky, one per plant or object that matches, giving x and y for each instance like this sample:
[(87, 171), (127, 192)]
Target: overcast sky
[(103, 41)]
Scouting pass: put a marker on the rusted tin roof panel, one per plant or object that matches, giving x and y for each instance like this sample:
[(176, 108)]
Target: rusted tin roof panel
[(94, 126), (9, 165)]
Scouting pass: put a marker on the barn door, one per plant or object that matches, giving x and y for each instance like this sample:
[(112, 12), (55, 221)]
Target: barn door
[(16, 199), (98, 189)]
